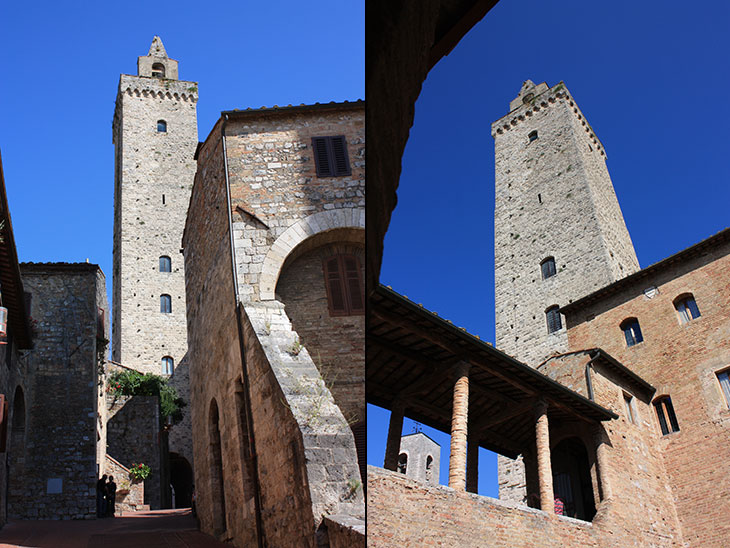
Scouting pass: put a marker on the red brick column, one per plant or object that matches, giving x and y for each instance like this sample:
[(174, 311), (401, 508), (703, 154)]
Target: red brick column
[(544, 468), (395, 429), (472, 462), (459, 418), (600, 439)]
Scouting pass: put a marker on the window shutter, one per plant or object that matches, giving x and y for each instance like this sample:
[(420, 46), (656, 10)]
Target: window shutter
[(339, 154), (660, 416), (725, 384), (637, 332), (672, 416), (335, 287), (321, 157), (3, 422), (692, 305), (354, 285)]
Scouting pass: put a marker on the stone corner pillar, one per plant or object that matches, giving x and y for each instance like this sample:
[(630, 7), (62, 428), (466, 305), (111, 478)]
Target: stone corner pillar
[(459, 420)]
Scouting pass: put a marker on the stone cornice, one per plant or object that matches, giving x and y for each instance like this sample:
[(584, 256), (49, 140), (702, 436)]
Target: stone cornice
[(557, 94), (179, 90)]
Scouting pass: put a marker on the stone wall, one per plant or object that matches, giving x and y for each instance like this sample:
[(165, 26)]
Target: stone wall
[(680, 360), (403, 512), (553, 198), (133, 436), (130, 493), (57, 479)]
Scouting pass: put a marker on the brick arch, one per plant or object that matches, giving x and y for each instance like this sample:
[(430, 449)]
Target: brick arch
[(296, 234)]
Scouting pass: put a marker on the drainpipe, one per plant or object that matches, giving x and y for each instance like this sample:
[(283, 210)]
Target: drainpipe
[(589, 382), (244, 368)]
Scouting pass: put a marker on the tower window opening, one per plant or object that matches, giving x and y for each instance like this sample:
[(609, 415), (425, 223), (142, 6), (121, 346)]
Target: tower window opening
[(163, 199), (630, 409), (632, 331), (554, 322), (547, 266), (532, 136), (330, 156), (539, 198), (158, 70), (665, 413), (686, 308), (724, 378), (429, 470), (168, 365), (165, 264), (165, 304), (161, 126), (402, 463)]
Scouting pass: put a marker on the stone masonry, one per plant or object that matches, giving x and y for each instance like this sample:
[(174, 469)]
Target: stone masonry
[(154, 170), (270, 406), (57, 479), (553, 198), (424, 457)]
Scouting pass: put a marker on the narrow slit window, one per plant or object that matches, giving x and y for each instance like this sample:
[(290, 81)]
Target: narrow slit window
[(665, 413), (554, 322), (165, 304), (168, 365), (402, 463), (548, 268), (629, 406), (686, 308), (632, 331), (165, 264)]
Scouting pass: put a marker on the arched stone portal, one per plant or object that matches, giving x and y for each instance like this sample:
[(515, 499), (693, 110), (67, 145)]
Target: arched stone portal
[(181, 478)]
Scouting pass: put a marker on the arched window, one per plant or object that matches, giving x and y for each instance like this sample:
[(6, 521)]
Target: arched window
[(724, 378), (665, 414), (552, 315), (402, 463), (165, 304), (158, 70), (547, 267), (161, 126), (429, 465), (686, 308), (168, 365), (165, 264), (632, 331)]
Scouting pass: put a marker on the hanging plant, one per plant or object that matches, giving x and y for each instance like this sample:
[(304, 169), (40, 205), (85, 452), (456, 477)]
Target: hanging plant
[(139, 471)]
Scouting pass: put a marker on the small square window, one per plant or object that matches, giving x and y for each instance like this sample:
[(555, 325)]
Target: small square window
[(532, 136)]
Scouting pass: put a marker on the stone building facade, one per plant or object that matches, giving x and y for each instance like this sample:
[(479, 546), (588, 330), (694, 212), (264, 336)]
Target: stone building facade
[(155, 135), (420, 458), (56, 468), (275, 344)]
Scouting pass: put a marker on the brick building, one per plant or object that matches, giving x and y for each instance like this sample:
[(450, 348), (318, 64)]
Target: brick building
[(613, 428), (274, 259)]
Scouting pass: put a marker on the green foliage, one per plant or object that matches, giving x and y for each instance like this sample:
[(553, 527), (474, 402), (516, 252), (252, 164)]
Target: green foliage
[(134, 383), (139, 471)]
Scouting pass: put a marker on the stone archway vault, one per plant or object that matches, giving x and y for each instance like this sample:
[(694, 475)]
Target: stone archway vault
[(296, 234)]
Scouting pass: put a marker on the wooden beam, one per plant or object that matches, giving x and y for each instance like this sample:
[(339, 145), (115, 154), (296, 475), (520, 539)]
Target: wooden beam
[(405, 353), (508, 414)]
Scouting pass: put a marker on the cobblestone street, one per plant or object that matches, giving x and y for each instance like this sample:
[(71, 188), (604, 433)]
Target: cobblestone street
[(161, 528)]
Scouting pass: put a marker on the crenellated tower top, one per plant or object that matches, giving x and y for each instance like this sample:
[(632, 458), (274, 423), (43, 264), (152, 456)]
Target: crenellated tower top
[(156, 64)]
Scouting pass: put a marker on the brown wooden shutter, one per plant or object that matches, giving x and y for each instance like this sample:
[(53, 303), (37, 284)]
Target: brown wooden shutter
[(321, 157), (3, 422), (339, 153), (354, 284), (335, 287)]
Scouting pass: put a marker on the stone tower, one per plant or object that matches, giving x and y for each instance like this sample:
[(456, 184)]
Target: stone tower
[(155, 135), (559, 231), (420, 457)]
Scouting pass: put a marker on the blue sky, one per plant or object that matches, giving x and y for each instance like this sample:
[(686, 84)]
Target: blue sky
[(61, 63), (649, 77)]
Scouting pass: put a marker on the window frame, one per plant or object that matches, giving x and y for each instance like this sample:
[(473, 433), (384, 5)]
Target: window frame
[(168, 263), (630, 407), (163, 124), (686, 307), (330, 155), (631, 326), (724, 387), (554, 313), (548, 261), (666, 415), (165, 298), (341, 286), (165, 362)]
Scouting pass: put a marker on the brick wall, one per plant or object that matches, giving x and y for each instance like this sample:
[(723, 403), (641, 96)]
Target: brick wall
[(680, 360)]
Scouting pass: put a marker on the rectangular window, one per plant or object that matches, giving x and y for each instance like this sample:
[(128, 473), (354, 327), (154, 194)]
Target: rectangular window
[(629, 405), (345, 295), (724, 378), (665, 413), (330, 156)]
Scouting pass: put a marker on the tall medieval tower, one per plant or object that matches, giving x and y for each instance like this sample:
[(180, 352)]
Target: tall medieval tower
[(155, 134), (559, 231)]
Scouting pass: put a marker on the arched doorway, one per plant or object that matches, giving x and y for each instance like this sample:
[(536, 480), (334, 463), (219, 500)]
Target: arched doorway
[(181, 479), (218, 497), (572, 479)]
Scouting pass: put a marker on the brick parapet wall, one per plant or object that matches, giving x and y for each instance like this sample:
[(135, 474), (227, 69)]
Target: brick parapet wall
[(680, 360), (345, 532)]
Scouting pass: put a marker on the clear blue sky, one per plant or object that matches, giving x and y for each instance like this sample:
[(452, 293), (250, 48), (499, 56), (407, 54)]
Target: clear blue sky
[(60, 64), (649, 76)]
